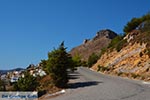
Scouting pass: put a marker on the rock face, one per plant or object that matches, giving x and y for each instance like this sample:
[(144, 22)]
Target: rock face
[(132, 60), (89, 46)]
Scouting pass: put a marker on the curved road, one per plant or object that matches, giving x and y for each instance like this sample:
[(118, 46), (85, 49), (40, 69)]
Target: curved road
[(89, 85)]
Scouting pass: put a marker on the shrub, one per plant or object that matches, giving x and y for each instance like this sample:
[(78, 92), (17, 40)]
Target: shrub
[(76, 62), (115, 41), (84, 63), (134, 75), (28, 83), (92, 59), (103, 50), (120, 45), (119, 73), (102, 68), (99, 68)]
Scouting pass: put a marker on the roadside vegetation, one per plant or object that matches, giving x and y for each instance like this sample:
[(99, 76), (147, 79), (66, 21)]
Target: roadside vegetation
[(2, 85), (57, 65), (27, 83), (92, 59)]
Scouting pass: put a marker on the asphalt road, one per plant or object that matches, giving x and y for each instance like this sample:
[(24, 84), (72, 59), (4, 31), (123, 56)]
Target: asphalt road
[(89, 85)]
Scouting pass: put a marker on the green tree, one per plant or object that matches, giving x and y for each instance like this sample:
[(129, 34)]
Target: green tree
[(27, 83), (146, 17), (57, 64), (136, 23), (133, 24), (92, 59), (145, 27)]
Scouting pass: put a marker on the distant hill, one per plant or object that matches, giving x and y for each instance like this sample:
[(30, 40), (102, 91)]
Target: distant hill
[(15, 69), (94, 45)]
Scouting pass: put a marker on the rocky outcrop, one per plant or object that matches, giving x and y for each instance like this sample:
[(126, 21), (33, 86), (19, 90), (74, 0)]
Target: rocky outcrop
[(105, 33), (130, 36), (94, 45)]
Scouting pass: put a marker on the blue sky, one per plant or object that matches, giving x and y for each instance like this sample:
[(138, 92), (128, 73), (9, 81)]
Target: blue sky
[(29, 29)]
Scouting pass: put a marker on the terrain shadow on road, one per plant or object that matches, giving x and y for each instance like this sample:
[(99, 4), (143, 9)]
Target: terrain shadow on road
[(82, 84), (74, 75)]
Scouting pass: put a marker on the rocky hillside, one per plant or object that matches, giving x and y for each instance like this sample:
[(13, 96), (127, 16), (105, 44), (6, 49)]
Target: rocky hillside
[(89, 46), (133, 60), (129, 55)]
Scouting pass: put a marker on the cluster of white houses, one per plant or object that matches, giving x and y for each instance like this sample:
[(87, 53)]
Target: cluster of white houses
[(13, 76)]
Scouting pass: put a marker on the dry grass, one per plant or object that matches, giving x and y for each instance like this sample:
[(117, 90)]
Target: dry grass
[(47, 86)]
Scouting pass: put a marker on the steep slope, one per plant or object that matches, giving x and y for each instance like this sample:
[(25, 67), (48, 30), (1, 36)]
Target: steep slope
[(133, 60), (101, 40)]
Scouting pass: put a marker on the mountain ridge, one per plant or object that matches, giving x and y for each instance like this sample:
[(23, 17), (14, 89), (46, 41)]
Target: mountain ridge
[(15, 69), (94, 45)]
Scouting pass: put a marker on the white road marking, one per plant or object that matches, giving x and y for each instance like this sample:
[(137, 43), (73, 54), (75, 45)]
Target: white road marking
[(148, 83), (57, 93)]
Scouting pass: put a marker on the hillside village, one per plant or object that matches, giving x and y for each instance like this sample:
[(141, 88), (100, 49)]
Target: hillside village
[(13, 76)]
